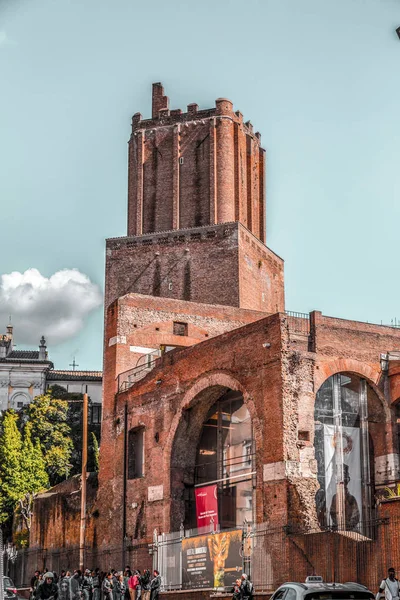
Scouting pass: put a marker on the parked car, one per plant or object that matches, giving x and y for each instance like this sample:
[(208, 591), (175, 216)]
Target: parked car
[(10, 591), (314, 588)]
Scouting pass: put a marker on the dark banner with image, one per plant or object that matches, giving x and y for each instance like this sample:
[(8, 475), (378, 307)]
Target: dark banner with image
[(212, 561)]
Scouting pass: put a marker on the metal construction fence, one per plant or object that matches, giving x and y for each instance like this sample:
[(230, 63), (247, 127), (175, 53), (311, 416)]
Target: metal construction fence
[(193, 559), (272, 556), (21, 566)]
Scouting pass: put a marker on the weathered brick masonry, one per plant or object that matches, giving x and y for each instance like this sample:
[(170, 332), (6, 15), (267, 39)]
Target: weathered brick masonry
[(194, 274)]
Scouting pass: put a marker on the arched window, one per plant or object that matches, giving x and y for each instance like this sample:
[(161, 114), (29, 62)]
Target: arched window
[(342, 451), (225, 460)]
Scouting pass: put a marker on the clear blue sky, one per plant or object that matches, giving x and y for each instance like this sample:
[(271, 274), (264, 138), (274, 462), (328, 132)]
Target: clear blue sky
[(320, 80)]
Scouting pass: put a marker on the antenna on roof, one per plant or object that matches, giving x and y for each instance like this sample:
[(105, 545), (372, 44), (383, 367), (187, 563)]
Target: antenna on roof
[(73, 364)]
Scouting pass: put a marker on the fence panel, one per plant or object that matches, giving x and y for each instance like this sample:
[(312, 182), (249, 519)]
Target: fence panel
[(269, 556)]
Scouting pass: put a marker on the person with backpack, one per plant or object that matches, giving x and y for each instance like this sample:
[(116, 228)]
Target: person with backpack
[(246, 588), (389, 586)]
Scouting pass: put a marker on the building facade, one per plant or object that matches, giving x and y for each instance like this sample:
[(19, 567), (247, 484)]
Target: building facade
[(290, 420), (25, 374)]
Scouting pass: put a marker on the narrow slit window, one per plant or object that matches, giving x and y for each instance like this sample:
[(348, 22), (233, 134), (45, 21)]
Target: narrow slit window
[(135, 453)]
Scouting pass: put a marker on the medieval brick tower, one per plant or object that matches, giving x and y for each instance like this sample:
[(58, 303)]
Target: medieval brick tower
[(196, 211)]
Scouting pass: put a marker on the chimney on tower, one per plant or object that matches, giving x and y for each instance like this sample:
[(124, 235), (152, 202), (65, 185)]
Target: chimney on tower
[(159, 101)]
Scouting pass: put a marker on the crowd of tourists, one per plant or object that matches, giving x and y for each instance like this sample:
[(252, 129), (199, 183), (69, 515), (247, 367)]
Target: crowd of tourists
[(96, 585)]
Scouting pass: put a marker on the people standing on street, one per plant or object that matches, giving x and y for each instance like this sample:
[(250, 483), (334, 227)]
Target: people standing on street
[(96, 585), (139, 586), (34, 584), (390, 586), (145, 583), (47, 589), (120, 587), (246, 588), (236, 590), (127, 575), (107, 587), (155, 585), (133, 584)]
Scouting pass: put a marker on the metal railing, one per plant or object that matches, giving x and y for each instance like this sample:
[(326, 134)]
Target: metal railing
[(298, 322), (144, 365)]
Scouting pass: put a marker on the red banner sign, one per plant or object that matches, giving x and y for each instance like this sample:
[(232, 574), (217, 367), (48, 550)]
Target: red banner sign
[(206, 505)]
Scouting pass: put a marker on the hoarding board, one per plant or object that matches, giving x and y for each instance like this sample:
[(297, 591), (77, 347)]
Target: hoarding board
[(212, 561)]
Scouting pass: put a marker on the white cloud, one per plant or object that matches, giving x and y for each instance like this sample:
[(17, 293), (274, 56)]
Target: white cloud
[(55, 307)]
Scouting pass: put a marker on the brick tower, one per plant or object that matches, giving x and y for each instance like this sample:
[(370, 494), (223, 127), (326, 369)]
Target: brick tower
[(195, 254), (196, 168), (196, 211)]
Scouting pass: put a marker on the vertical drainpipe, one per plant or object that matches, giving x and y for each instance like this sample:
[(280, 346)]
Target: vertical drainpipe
[(124, 536)]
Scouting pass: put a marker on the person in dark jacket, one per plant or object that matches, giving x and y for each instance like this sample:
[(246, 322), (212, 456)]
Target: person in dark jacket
[(34, 583), (155, 585), (47, 589), (145, 583), (246, 588)]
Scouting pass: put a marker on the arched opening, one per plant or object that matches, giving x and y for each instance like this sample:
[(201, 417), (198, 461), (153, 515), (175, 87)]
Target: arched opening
[(213, 455), (348, 424)]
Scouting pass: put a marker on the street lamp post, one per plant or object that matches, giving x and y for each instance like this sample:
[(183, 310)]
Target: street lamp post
[(82, 528), (83, 484), (1, 565)]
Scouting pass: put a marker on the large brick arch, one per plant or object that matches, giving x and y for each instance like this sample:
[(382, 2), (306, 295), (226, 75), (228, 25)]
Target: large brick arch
[(372, 373), (185, 430)]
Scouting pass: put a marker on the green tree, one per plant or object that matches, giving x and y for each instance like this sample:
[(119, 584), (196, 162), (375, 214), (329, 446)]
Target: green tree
[(48, 419), (75, 401), (34, 477), (94, 453), (10, 464), (22, 469)]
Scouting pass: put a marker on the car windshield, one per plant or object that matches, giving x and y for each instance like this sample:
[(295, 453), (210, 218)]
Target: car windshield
[(339, 595), (7, 583)]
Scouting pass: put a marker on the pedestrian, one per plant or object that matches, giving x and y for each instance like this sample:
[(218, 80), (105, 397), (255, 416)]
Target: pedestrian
[(133, 584), (155, 585), (236, 590), (390, 586), (127, 575), (107, 587), (87, 585), (34, 583), (139, 585), (120, 587), (145, 582), (246, 588), (47, 589), (96, 584)]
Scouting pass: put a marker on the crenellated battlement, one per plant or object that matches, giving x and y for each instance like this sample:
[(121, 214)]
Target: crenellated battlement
[(163, 116)]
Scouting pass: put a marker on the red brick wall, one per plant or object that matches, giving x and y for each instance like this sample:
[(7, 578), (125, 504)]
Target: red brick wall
[(261, 277), (208, 265), (222, 361)]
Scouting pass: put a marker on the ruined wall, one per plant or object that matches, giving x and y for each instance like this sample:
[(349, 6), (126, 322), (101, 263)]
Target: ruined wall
[(186, 379)]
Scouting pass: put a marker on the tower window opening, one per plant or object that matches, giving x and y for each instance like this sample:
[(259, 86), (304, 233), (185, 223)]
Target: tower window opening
[(180, 328), (136, 453)]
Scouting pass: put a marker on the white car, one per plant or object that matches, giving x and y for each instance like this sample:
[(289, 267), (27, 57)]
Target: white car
[(314, 588)]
